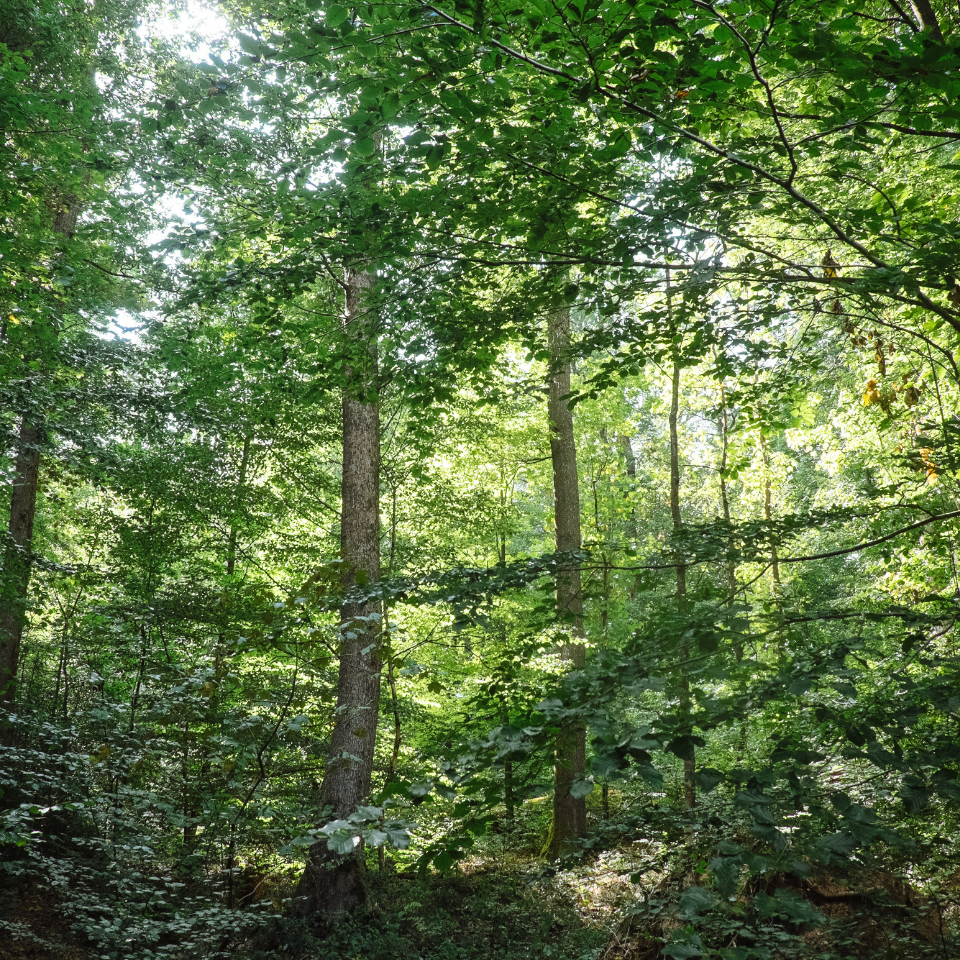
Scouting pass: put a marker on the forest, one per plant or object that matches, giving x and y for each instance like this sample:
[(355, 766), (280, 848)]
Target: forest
[(480, 479)]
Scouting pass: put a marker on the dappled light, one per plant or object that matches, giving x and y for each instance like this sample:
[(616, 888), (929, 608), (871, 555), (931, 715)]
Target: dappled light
[(479, 481)]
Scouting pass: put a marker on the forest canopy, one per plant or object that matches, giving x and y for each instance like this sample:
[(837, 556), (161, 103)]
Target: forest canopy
[(479, 479)]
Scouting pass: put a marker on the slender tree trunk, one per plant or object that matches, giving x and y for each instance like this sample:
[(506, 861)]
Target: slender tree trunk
[(569, 813), (17, 559), (195, 788), (241, 484), (332, 884), (502, 532), (509, 794), (675, 472), (604, 561), (629, 458), (387, 645), (630, 464), (731, 564), (689, 766), (768, 508)]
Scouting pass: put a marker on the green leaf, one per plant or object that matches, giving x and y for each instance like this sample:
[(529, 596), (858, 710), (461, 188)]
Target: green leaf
[(915, 798), (685, 746), (581, 788), (708, 778), (303, 841), (604, 767), (375, 838), (726, 874), (696, 900), (343, 841), (398, 836), (336, 15)]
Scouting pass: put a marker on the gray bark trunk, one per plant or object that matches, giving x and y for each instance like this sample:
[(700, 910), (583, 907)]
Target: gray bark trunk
[(569, 813), (333, 884)]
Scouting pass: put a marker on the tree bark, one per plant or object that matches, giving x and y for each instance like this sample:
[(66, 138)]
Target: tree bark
[(332, 884), (629, 458), (768, 509), (724, 425), (17, 559), (675, 472), (23, 509), (238, 494), (569, 818), (690, 765), (924, 12)]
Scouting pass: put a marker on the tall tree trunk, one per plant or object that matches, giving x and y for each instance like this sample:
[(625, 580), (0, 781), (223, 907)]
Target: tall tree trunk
[(675, 473), (689, 765), (23, 509), (332, 884), (569, 813), (724, 425), (630, 464), (194, 789), (238, 494), (731, 564), (509, 794), (629, 458), (17, 559), (768, 508)]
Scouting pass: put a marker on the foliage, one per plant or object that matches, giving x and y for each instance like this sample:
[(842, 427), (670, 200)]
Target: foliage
[(761, 196)]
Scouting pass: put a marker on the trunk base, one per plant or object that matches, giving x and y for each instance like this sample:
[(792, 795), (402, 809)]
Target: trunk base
[(330, 887)]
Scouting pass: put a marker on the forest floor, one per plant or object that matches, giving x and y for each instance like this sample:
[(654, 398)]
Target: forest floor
[(620, 904)]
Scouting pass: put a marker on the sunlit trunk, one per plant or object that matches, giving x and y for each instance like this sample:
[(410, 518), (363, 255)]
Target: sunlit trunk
[(569, 813), (333, 884)]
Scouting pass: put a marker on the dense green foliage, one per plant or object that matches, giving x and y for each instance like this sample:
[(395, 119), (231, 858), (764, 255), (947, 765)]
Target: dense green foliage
[(759, 198)]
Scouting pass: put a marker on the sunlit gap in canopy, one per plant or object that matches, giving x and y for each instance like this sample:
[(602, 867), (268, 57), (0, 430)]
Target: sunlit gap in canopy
[(196, 25)]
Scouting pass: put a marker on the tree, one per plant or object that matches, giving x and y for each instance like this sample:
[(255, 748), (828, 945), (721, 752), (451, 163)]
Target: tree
[(569, 819), (44, 52), (332, 883), (365, 216)]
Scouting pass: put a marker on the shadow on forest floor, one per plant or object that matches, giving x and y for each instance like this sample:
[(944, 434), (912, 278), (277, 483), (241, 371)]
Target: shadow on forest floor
[(624, 904), (457, 916), (592, 912)]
